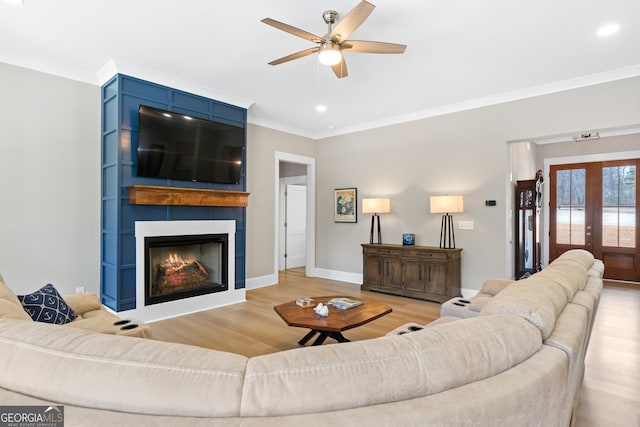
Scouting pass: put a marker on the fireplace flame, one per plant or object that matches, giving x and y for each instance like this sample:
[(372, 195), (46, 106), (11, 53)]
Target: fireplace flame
[(175, 263), (176, 260)]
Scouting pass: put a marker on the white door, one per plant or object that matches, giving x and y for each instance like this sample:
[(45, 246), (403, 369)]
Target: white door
[(295, 226)]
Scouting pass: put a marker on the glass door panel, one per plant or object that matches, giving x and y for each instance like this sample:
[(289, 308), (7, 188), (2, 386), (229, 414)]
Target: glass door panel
[(619, 206), (570, 205)]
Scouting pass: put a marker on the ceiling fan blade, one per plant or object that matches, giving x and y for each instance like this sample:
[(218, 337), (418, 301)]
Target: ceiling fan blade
[(292, 30), (340, 69), (351, 21), (296, 55), (372, 47)]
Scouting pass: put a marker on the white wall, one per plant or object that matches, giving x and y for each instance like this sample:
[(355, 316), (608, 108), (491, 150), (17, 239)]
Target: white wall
[(49, 181)]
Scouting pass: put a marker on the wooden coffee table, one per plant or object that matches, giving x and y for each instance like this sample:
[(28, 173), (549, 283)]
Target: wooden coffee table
[(333, 324)]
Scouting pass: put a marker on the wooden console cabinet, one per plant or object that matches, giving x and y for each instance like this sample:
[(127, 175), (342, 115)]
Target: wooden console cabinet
[(423, 272)]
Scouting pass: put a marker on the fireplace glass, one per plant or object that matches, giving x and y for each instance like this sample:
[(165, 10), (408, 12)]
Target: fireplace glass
[(179, 267)]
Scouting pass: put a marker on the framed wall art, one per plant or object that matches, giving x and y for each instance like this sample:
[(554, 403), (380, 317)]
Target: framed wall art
[(345, 205)]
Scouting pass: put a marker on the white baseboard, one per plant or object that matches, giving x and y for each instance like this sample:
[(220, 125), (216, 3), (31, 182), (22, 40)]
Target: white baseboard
[(181, 307), (261, 282), (342, 276)]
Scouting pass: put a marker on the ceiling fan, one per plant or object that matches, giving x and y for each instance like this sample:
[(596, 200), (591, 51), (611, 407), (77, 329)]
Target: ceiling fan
[(331, 46)]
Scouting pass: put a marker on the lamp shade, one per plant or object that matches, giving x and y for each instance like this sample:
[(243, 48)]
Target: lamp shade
[(446, 204), (376, 205)]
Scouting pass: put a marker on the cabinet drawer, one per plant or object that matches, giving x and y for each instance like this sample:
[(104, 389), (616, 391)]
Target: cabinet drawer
[(379, 251), (438, 256)]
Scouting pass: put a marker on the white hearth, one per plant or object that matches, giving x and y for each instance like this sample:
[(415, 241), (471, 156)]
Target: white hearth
[(150, 313)]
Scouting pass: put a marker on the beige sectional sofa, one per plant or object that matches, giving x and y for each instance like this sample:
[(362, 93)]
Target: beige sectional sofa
[(91, 314), (519, 362)]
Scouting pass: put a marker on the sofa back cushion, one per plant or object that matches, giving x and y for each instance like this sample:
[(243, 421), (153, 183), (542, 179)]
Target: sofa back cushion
[(535, 299), (582, 256), (70, 366), (493, 286), (387, 369), (572, 276), (9, 304)]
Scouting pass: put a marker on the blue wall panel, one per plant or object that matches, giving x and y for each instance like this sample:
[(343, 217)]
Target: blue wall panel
[(122, 97), (191, 102)]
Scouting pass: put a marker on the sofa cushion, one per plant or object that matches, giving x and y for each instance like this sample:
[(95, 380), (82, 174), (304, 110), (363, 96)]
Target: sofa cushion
[(119, 373), (534, 299), (83, 303), (10, 306), (47, 305), (386, 369), (569, 335), (569, 274), (597, 269), (493, 286), (582, 256)]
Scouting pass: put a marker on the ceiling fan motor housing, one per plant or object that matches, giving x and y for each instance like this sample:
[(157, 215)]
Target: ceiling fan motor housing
[(330, 16)]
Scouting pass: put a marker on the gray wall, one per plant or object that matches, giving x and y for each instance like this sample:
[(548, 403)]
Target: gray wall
[(462, 153), (262, 144), (50, 177), (49, 181)]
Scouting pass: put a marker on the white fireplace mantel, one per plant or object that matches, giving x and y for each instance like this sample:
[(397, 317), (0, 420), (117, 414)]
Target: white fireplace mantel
[(150, 313)]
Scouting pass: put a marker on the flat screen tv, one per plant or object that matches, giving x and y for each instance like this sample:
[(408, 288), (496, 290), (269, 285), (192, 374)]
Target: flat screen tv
[(178, 146)]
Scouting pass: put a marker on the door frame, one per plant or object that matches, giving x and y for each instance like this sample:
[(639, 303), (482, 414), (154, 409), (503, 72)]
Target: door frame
[(296, 180), (587, 158), (310, 162)]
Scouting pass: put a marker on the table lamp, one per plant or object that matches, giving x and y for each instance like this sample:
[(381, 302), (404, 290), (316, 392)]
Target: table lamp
[(376, 206), (446, 205)]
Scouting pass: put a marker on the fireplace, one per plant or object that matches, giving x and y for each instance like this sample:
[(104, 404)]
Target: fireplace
[(179, 267), (177, 249)]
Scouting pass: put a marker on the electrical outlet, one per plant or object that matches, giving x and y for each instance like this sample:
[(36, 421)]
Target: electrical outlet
[(80, 290), (465, 225)]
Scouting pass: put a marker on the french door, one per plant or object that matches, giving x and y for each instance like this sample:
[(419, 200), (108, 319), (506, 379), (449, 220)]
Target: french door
[(593, 206)]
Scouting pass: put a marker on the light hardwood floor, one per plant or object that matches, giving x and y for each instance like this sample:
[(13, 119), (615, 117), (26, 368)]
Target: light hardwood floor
[(610, 393)]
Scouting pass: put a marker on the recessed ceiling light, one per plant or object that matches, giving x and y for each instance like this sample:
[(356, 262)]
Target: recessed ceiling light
[(608, 30), (321, 108)]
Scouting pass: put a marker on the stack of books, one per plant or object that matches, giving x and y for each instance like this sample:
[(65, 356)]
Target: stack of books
[(343, 303)]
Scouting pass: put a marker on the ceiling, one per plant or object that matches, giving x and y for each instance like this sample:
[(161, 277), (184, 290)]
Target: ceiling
[(461, 54)]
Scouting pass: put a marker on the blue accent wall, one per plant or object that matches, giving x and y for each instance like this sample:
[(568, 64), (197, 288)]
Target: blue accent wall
[(121, 98)]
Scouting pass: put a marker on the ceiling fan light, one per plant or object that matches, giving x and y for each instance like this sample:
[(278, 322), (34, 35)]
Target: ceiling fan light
[(329, 54)]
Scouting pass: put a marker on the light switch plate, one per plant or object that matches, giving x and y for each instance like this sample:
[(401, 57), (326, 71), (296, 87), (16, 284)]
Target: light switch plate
[(465, 225)]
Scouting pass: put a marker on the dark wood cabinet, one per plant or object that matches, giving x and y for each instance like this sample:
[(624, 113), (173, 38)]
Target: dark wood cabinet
[(423, 272)]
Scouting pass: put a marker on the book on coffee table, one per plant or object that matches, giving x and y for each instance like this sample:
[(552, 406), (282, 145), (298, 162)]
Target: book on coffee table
[(304, 302), (343, 303)]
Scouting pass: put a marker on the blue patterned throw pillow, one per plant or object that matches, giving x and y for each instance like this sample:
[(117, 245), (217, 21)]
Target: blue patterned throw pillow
[(46, 305)]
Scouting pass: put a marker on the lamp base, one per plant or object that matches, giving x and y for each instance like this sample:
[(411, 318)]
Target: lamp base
[(373, 220), (447, 235)]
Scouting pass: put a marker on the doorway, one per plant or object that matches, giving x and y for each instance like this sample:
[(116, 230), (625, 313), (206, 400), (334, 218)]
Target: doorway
[(593, 206), (304, 173)]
